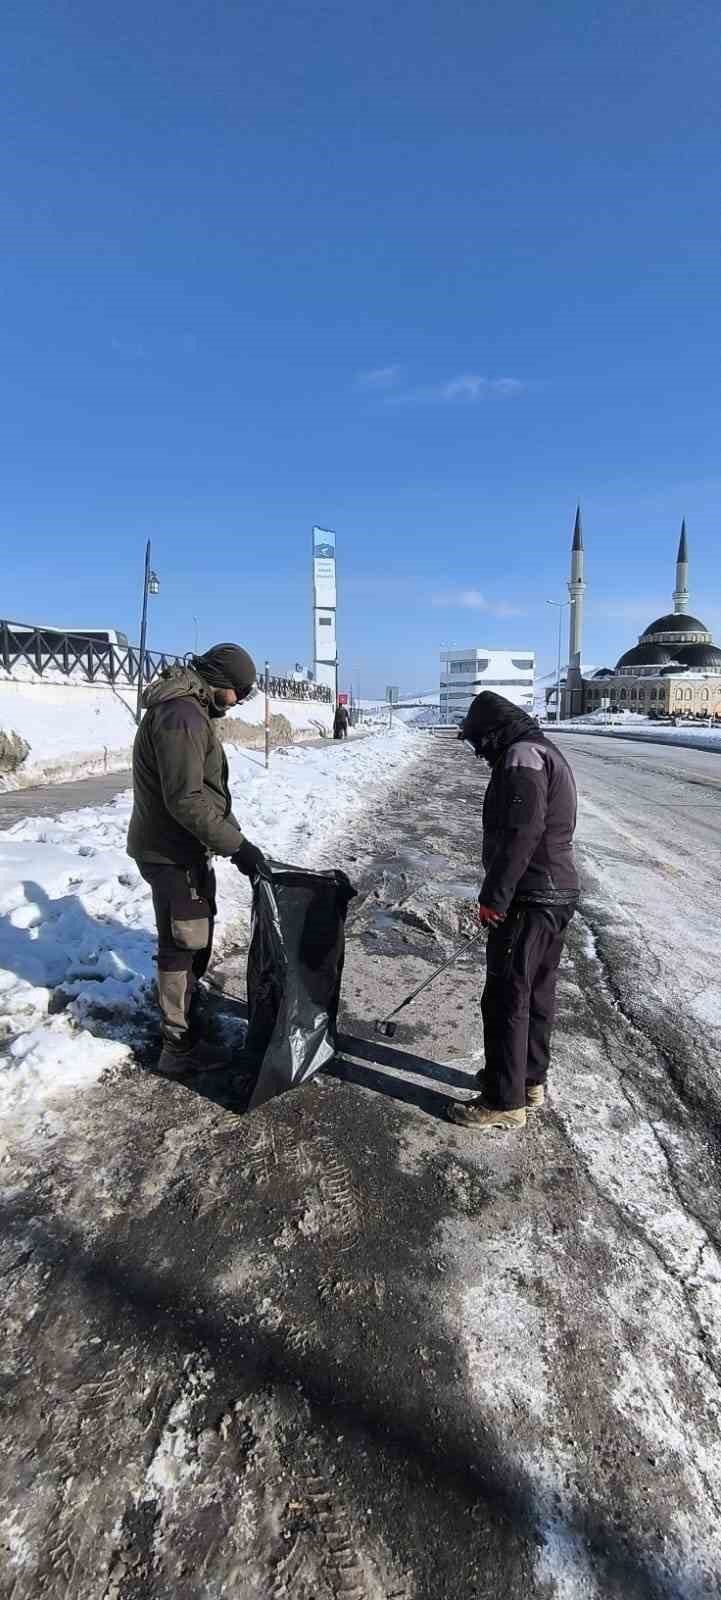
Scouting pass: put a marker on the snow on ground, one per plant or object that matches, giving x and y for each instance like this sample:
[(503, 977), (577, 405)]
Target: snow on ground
[(75, 728), (76, 920), (693, 735)]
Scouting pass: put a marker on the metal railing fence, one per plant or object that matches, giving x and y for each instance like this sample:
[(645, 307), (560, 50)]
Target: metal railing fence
[(98, 661)]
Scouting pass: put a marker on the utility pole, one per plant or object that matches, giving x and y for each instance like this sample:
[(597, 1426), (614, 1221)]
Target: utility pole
[(560, 606), (150, 586), (267, 715)]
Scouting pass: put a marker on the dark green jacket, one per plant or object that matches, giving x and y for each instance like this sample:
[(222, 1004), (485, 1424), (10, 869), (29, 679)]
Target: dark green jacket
[(181, 803)]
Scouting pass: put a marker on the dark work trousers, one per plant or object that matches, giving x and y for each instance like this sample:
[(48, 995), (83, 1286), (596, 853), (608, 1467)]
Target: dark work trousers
[(184, 903), (519, 1001)]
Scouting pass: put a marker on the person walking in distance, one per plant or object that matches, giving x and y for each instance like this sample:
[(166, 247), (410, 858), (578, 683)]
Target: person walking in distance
[(340, 723), (528, 896), (182, 816)]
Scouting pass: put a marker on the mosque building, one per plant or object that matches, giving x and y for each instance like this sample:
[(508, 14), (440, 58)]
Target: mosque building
[(674, 670)]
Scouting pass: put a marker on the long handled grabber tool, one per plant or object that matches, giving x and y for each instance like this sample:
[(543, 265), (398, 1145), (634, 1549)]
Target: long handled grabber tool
[(386, 1025)]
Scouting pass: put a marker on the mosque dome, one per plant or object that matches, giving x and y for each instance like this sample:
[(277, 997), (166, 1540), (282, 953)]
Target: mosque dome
[(700, 657), (646, 655), (676, 626)]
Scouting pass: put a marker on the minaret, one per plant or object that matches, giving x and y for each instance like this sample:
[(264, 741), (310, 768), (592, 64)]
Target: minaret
[(576, 589), (680, 594)]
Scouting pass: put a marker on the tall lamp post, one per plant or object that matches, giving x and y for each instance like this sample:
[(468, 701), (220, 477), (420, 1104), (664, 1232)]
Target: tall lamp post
[(355, 696), (560, 607), (150, 586)]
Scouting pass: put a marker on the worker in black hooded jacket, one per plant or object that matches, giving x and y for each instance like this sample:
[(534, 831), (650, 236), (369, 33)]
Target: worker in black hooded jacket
[(528, 896), (182, 816)]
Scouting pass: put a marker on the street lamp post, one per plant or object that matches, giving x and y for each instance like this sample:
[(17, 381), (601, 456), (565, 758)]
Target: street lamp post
[(355, 695), (150, 586), (560, 606), (266, 688)]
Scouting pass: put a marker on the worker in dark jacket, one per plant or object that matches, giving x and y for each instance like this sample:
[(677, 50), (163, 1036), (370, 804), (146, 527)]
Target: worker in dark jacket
[(528, 896), (340, 723), (182, 816)]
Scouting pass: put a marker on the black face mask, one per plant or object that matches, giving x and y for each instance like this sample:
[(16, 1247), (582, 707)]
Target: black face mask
[(480, 751), (216, 707)]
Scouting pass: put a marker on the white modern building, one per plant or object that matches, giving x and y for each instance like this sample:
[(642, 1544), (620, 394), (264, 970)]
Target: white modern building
[(464, 673)]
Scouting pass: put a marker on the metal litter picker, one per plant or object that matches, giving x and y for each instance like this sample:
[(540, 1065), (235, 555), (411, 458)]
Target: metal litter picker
[(386, 1025)]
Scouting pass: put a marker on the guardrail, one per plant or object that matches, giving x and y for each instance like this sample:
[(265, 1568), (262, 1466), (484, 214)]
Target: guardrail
[(99, 661), (297, 689)]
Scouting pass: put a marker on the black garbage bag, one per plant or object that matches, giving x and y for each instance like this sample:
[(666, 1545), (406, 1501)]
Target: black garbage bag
[(295, 966)]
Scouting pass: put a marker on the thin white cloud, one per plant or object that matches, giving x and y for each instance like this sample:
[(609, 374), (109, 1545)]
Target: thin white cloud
[(472, 600), (471, 386), (466, 389), (503, 610), (460, 600), (379, 377)]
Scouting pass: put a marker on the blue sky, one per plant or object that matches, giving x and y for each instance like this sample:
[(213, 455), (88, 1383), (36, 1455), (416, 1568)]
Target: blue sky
[(427, 274)]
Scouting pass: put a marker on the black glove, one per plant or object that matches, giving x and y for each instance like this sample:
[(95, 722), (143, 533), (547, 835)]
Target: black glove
[(248, 859)]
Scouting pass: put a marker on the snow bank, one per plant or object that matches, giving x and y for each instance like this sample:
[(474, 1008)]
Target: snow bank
[(693, 738), (75, 728), (76, 919)]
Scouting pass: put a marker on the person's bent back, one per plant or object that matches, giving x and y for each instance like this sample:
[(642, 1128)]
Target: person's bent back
[(182, 816)]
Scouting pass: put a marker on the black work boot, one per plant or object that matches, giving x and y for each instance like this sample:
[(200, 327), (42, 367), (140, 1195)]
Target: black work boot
[(175, 1061)]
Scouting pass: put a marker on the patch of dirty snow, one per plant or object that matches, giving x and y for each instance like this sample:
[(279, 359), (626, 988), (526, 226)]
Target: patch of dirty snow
[(42, 1068), (707, 1006), (501, 1328), (17, 1548), (176, 1460)]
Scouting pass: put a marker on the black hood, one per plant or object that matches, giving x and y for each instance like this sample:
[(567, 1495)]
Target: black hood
[(227, 666), (492, 723)]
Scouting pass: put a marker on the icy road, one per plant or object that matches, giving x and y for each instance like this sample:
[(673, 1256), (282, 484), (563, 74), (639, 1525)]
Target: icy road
[(340, 1348)]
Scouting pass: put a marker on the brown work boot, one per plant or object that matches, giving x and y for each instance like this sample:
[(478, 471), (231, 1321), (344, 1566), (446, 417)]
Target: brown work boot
[(476, 1114), (200, 1057), (535, 1093)]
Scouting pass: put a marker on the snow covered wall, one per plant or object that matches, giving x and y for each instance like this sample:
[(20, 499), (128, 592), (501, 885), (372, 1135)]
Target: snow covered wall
[(56, 728)]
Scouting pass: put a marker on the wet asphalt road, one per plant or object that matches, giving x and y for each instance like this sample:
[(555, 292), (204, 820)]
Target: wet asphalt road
[(340, 1348), (665, 761), (50, 799)]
